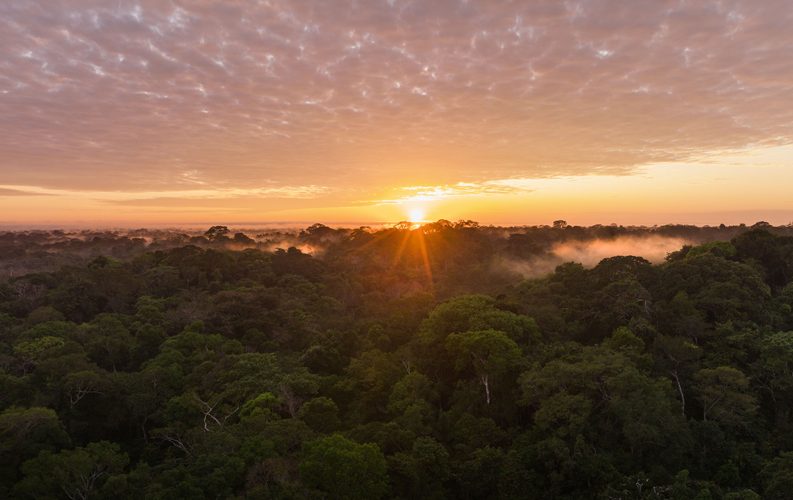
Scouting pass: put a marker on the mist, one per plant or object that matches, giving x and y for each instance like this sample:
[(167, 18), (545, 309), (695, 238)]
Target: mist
[(653, 248), (590, 252)]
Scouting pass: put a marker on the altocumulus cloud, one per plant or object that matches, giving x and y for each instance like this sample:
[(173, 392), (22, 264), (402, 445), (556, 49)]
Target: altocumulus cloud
[(151, 96)]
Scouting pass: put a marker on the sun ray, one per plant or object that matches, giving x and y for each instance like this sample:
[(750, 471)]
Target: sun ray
[(424, 255), (401, 248)]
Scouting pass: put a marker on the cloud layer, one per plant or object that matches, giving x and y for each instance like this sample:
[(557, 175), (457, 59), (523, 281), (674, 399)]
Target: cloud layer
[(170, 95)]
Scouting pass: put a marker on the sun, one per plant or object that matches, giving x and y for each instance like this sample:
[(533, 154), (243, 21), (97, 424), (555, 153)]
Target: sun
[(416, 215)]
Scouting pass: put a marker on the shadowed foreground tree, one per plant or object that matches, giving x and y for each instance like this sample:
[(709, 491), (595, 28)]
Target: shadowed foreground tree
[(77, 474), (724, 395), (490, 353), (344, 469)]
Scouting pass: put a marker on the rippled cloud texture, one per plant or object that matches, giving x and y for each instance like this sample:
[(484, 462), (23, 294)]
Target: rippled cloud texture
[(339, 95)]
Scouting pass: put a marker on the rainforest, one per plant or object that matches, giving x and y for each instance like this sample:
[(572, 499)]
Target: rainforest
[(443, 360)]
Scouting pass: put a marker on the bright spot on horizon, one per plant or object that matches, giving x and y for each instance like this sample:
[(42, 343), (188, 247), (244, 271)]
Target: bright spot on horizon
[(416, 215)]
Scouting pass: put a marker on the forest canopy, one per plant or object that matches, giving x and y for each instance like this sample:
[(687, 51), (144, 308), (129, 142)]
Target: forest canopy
[(442, 361)]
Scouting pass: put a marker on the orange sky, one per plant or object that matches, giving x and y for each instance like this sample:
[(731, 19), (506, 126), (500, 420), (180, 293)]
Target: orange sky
[(149, 112)]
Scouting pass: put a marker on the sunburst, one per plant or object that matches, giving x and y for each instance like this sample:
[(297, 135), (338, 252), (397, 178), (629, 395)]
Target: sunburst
[(417, 215)]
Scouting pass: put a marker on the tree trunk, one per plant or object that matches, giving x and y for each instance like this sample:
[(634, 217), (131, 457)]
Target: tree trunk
[(680, 390)]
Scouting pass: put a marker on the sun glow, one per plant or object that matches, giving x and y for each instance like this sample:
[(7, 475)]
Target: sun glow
[(416, 215)]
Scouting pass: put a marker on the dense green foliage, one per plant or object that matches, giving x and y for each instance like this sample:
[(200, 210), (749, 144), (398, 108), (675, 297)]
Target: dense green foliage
[(400, 363)]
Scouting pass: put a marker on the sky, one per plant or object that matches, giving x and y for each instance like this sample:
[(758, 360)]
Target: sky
[(172, 112)]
